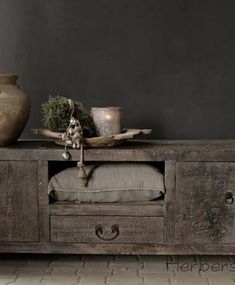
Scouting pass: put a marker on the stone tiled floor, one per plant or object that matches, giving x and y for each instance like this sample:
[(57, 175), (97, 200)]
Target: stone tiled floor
[(23, 269)]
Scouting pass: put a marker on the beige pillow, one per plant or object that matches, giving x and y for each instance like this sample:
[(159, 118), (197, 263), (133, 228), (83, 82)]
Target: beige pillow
[(110, 182)]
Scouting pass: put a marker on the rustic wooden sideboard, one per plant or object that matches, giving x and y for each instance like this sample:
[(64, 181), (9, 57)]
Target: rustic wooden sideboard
[(196, 215)]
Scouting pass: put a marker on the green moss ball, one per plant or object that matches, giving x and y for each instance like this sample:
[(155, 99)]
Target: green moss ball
[(56, 114)]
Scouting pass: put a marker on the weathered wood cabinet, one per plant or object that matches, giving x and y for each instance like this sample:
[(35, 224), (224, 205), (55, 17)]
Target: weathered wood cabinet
[(196, 215)]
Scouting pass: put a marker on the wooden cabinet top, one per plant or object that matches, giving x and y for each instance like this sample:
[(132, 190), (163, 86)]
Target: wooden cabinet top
[(141, 150)]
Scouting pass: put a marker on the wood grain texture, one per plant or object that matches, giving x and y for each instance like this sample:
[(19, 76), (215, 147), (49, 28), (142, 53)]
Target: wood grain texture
[(18, 201), (110, 248), (203, 217), (43, 200), (144, 209), (169, 220), (212, 150), (81, 229)]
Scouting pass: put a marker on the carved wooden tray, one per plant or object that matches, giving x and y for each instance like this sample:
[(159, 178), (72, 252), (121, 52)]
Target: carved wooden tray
[(96, 141)]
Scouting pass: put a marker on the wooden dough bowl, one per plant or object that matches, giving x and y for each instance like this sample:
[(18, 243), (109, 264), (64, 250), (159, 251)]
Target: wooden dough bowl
[(96, 141)]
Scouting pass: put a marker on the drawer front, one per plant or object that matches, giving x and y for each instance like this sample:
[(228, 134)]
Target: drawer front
[(204, 202), (105, 229)]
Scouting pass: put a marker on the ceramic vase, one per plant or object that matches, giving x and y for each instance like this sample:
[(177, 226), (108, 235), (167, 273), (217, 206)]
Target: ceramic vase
[(14, 109)]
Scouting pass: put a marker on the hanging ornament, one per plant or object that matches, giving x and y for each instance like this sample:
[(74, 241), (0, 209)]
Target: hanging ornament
[(74, 136), (66, 154)]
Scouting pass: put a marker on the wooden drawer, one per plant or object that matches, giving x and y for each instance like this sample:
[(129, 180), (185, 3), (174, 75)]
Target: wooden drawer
[(105, 229)]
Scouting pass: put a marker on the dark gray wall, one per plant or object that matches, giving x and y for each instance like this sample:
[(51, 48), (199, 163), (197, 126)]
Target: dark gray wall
[(169, 63)]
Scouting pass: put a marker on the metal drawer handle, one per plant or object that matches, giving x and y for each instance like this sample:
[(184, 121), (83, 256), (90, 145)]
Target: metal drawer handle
[(114, 230), (229, 198)]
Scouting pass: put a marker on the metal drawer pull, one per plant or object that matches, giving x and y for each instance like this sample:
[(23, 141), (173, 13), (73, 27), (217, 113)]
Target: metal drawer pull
[(99, 232), (229, 198)]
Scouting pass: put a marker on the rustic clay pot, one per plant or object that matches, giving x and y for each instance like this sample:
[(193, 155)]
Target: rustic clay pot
[(14, 109), (108, 120)]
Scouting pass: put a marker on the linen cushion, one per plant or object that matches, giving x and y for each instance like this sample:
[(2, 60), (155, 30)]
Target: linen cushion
[(110, 182)]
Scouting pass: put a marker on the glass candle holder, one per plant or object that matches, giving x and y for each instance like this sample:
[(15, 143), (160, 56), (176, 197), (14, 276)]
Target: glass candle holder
[(108, 120)]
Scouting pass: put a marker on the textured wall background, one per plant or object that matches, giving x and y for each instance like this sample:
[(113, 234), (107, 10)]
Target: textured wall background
[(169, 63)]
